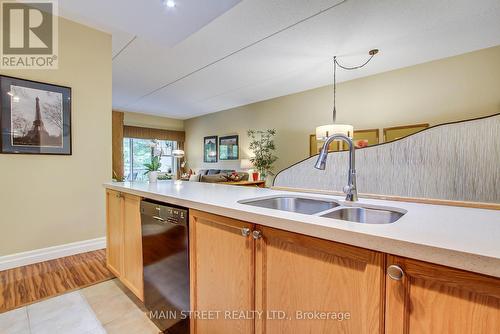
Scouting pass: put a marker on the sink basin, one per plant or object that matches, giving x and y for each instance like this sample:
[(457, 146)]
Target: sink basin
[(293, 204), (365, 215), (358, 213)]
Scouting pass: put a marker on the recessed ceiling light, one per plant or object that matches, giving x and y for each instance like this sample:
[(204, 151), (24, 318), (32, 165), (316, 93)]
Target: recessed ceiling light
[(169, 3)]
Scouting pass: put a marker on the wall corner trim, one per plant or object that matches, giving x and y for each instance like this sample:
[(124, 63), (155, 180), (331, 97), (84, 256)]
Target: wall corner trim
[(50, 253)]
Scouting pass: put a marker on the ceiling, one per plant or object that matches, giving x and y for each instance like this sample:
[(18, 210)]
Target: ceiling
[(197, 59)]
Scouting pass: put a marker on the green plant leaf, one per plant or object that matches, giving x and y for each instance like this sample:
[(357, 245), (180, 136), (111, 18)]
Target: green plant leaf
[(262, 145)]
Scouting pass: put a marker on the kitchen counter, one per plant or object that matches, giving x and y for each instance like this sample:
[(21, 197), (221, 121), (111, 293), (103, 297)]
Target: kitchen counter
[(463, 238)]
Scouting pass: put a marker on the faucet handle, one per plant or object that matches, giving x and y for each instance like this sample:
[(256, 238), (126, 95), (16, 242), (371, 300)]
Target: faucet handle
[(348, 189)]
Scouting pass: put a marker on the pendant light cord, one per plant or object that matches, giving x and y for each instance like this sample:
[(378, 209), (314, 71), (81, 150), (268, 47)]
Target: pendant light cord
[(334, 112), (372, 53)]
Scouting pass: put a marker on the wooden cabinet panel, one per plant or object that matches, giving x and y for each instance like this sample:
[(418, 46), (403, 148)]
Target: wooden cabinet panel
[(132, 273), (436, 299), (222, 277), (298, 274), (124, 240), (114, 232)]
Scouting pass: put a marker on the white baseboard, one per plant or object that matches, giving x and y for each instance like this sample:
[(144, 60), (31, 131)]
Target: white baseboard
[(50, 253)]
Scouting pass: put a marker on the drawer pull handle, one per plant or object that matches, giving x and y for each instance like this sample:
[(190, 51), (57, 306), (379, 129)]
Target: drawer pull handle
[(245, 232), (395, 272), (257, 235)]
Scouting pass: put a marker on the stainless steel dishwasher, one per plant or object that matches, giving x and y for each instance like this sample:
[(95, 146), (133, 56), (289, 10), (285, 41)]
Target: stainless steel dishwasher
[(166, 265)]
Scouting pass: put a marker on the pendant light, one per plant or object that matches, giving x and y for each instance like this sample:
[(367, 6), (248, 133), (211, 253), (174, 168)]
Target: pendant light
[(324, 131)]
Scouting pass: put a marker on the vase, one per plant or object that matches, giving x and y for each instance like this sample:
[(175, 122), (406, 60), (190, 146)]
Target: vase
[(255, 176), (263, 176), (153, 176)]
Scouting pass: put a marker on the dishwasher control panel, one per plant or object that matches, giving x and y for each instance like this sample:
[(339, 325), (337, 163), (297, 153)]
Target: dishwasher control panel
[(164, 213)]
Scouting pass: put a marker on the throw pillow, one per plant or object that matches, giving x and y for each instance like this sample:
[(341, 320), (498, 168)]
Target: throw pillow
[(233, 177)]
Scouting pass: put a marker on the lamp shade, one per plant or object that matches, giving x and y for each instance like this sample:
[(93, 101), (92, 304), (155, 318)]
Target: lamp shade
[(324, 131), (178, 153), (246, 164)]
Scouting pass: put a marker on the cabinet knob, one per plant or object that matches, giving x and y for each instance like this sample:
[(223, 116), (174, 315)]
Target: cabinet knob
[(257, 234), (245, 232), (395, 272)]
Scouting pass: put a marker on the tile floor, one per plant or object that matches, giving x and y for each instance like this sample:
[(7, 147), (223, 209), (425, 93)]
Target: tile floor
[(101, 308)]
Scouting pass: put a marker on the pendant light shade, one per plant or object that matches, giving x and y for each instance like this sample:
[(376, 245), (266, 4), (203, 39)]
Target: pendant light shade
[(324, 131), (178, 153)]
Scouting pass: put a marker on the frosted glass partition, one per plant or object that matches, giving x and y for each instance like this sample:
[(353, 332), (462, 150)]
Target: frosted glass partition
[(456, 161)]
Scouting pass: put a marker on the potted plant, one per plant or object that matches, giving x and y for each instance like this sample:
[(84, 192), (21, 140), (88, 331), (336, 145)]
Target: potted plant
[(262, 145), (153, 168)]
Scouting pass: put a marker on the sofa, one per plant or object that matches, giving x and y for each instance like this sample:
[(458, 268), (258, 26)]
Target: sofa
[(217, 175)]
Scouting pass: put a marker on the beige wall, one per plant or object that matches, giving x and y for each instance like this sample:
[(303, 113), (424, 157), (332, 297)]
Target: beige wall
[(149, 121), (440, 91), (53, 200)]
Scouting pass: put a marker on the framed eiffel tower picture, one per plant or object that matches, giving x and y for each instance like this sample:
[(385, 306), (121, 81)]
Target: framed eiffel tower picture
[(35, 117)]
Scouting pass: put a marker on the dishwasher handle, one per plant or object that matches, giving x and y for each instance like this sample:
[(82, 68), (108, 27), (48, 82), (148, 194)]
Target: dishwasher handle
[(158, 218)]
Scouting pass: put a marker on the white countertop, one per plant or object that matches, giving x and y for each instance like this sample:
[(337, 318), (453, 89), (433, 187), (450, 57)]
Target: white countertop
[(463, 238)]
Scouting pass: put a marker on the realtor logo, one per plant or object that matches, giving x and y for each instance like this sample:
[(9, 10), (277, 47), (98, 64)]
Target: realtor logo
[(29, 34)]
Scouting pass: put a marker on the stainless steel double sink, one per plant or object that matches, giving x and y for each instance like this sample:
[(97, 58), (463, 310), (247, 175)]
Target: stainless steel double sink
[(329, 208)]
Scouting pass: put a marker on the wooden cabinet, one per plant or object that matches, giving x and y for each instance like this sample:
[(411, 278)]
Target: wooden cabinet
[(132, 273), (114, 232), (124, 241), (236, 266), (222, 277), (435, 299), (310, 280)]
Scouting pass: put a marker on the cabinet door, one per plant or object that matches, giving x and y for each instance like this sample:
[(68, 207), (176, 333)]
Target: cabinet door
[(114, 232), (296, 274), (222, 276), (429, 298), (132, 273)]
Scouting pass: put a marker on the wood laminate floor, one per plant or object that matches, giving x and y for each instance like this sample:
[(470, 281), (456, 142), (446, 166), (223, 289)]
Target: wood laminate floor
[(28, 284)]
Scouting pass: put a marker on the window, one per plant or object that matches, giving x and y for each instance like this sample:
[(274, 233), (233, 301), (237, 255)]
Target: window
[(137, 152)]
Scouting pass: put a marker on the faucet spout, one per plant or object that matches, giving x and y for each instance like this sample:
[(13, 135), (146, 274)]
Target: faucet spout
[(350, 189)]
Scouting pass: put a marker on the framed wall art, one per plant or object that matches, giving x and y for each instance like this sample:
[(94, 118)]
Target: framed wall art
[(397, 132), (229, 148), (35, 117), (210, 149), (365, 138)]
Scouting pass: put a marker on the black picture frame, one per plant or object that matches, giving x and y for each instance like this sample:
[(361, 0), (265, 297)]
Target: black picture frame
[(35, 117), (229, 148), (210, 151)]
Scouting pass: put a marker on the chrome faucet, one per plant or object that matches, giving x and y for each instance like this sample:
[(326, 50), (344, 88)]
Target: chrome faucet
[(350, 189)]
